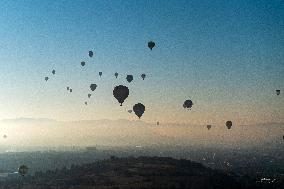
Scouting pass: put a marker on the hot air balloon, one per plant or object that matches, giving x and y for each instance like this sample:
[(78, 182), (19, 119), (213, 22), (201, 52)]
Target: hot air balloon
[(209, 127), (86, 103), (70, 90), (139, 109), (116, 74), (151, 44), (89, 95), (187, 104), (91, 53), (120, 92), (100, 74), (23, 170), (67, 88), (129, 78), (130, 111), (53, 72), (4, 136), (93, 87), (83, 63), (278, 92), (46, 78), (229, 124), (158, 123), (143, 76)]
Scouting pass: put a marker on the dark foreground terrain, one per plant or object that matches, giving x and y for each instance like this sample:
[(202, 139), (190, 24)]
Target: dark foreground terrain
[(141, 172)]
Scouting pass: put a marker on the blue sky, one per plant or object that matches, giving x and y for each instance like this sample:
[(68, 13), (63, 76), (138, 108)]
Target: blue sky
[(227, 56)]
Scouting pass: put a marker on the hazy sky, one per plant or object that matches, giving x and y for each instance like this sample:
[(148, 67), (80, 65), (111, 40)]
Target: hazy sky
[(227, 56)]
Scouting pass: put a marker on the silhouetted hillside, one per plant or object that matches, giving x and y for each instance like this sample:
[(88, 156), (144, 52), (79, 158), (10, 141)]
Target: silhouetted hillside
[(141, 172)]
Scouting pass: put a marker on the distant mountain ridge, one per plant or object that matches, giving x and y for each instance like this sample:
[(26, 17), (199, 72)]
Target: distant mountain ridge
[(26, 120), (48, 132), (120, 121)]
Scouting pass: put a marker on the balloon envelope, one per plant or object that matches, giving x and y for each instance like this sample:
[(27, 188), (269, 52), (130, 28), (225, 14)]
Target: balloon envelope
[(86, 103), (89, 95), (67, 88), (129, 78), (91, 53), (209, 127), (151, 44), (139, 109), (83, 63), (278, 92), (120, 92), (53, 72), (100, 73), (70, 90), (93, 87), (46, 78), (187, 104), (4, 136), (129, 111), (23, 169), (229, 124), (143, 76), (116, 74)]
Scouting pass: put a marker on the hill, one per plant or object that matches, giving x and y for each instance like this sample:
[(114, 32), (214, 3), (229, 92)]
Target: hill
[(141, 172)]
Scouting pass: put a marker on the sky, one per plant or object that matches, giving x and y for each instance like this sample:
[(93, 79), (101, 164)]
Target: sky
[(226, 56)]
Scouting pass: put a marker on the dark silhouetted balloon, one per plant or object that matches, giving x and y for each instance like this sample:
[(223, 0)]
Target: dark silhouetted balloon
[(86, 103), (151, 44), (4, 136), (70, 90), (89, 95), (53, 72), (209, 127), (143, 76), (91, 53), (130, 111), (23, 170), (67, 88), (100, 73), (129, 78), (229, 124), (158, 123), (278, 92), (93, 87), (120, 93), (187, 104), (139, 109), (46, 78), (116, 74), (83, 63)]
